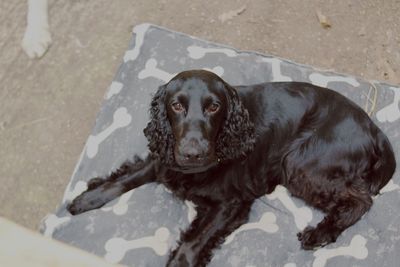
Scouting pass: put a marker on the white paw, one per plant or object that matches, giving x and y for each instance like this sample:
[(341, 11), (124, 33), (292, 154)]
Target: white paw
[(37, 40)]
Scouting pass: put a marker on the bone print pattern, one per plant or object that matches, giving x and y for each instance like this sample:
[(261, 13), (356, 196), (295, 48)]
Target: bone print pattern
[(302, 216), (267, 223), (151, 70), (143, 225), (356, 249), (391, 112), (121, 119), (117, 247), (121, 207)]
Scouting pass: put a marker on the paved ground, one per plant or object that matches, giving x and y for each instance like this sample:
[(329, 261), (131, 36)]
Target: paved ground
[(48, 106)]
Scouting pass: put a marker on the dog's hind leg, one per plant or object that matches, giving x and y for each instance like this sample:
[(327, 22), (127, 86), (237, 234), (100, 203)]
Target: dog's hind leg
[(349, 208)]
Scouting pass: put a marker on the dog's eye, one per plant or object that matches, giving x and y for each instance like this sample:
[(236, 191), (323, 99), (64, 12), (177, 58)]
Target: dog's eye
[(213, 108), (177, 107)]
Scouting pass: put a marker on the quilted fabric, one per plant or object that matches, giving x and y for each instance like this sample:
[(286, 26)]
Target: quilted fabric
[(142, 226)]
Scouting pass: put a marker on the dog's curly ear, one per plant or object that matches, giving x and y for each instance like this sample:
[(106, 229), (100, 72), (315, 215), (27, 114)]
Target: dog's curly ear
[(158, 131), (237, 137)]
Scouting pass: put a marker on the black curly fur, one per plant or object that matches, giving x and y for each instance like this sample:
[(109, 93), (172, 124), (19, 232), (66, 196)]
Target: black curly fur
[(158, 131), (237, 137)]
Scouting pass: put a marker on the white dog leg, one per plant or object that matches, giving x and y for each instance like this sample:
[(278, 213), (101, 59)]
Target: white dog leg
[(37, 38), (267, 224), (302, 216), (356, 249), (121, 119), (117, 247)]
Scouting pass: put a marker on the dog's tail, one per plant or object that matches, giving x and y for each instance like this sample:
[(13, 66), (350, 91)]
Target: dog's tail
[(383, 168)]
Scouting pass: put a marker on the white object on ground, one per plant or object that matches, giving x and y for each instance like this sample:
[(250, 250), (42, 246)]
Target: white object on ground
[(37, 37)]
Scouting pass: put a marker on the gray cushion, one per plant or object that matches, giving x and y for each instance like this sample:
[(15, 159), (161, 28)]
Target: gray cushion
[(142, 226)]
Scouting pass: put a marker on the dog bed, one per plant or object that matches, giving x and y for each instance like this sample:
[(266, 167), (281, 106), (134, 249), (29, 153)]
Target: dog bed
[(143, 225)]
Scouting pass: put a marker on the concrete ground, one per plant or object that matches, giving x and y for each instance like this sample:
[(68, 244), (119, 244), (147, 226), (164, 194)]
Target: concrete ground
[(48, 106)]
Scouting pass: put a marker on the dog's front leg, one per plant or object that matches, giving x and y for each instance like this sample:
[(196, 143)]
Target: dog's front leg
[(100, 191), (207, 232)]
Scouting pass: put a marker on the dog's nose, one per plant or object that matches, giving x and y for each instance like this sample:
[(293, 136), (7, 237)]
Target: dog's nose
[(194, 150), (193, 154)]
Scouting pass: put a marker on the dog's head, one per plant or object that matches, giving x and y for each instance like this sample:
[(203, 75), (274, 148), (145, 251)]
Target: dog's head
[(198, 120)]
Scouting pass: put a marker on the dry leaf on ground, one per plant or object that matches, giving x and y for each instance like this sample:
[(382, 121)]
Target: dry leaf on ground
[(231, 14), (323, 20)]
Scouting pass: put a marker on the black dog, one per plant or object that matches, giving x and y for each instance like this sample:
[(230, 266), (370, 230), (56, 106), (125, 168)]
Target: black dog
[(222, 147)]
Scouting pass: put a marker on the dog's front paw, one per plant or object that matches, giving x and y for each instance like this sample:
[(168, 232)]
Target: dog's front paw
[(314, 238), (36, 41), (88, 200), (178, 261)]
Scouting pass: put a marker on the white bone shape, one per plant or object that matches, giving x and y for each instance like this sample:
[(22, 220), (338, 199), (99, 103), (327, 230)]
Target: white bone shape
[(323, 80), (191, 210), (114, 89), (52, 222), (390, 186), (79, 188), (121, 207), (267, 223), (197, 52), (151, 70), (277, 75), (121, 119), (356, 249), (302, 216), (117, 247), (140, 31), (37, 37), (391, 112)]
